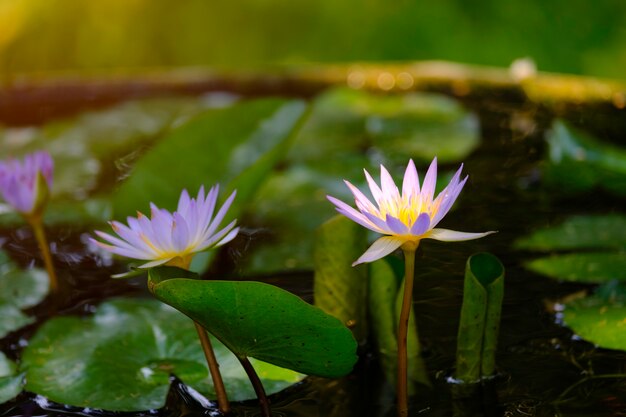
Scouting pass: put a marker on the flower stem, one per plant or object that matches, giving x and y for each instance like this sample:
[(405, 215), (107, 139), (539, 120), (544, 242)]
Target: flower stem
[(403, 328), (214, 368), (257, 385), (40, 235)]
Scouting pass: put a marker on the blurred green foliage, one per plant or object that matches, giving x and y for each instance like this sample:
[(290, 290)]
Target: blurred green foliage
[(562, 36)]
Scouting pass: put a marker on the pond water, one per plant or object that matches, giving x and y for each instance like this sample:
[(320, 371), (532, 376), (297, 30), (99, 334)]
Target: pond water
[(538, 359)]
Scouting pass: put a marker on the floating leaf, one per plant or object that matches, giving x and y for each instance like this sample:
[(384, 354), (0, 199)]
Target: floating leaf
[(292, 204), (10, 382), (339, 289), (120, 359), (599, 318), (415, 125), (219, 145), (582, 267), (579, 232), (261, 321), (19, 289), (95, 138), (85, 212), (579, 161)]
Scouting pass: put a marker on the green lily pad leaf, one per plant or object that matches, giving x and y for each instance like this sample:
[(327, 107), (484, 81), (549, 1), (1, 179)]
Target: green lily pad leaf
[(339, 289), (97, 140), (291, 204), (12, 318), (578, 161), (62, 212), (579, 232), (261, 321), (599, 318), (10, 382), (19, 289), (587, 233), (220, 144), (22, 288), (416, 125), (592, 267), (120, 359)]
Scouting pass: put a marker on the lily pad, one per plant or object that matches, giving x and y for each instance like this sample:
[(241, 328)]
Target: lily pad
[(120, 359), (63, 212), (605, 235), (593, 268), (579, 161), (413, 125), (10, 382), (599, 318), (19, 289), (261, 321), (579, 232), (220, 144), (96, 138)]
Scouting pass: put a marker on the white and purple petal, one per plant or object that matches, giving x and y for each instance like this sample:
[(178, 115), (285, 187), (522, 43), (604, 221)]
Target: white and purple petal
[(421, 225), (380, 248), (410, 183), (166, 236), (446, 235), (430, 182)]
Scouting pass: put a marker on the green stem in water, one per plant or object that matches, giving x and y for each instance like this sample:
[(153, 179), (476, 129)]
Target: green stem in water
[(403, 328), (214, 368), (257, 385), (40, 235)]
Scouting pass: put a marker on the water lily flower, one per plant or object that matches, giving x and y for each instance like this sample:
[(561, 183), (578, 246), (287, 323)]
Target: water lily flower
[(25, 184), (172, 238), (407, 217)]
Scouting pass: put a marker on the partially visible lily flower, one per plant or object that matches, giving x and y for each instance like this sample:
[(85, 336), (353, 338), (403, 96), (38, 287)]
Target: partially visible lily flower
[(25, 184), (172, 238), (407, 217)]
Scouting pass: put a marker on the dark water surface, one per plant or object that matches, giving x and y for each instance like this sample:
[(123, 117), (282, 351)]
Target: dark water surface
[(538, 360)]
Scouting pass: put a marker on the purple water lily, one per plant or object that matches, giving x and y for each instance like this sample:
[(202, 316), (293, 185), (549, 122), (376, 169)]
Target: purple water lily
[(21, 181), (172, 238), (404, 217)]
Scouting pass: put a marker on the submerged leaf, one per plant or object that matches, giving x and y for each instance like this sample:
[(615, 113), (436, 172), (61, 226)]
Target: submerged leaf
[(262, 321), (121, 358)]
